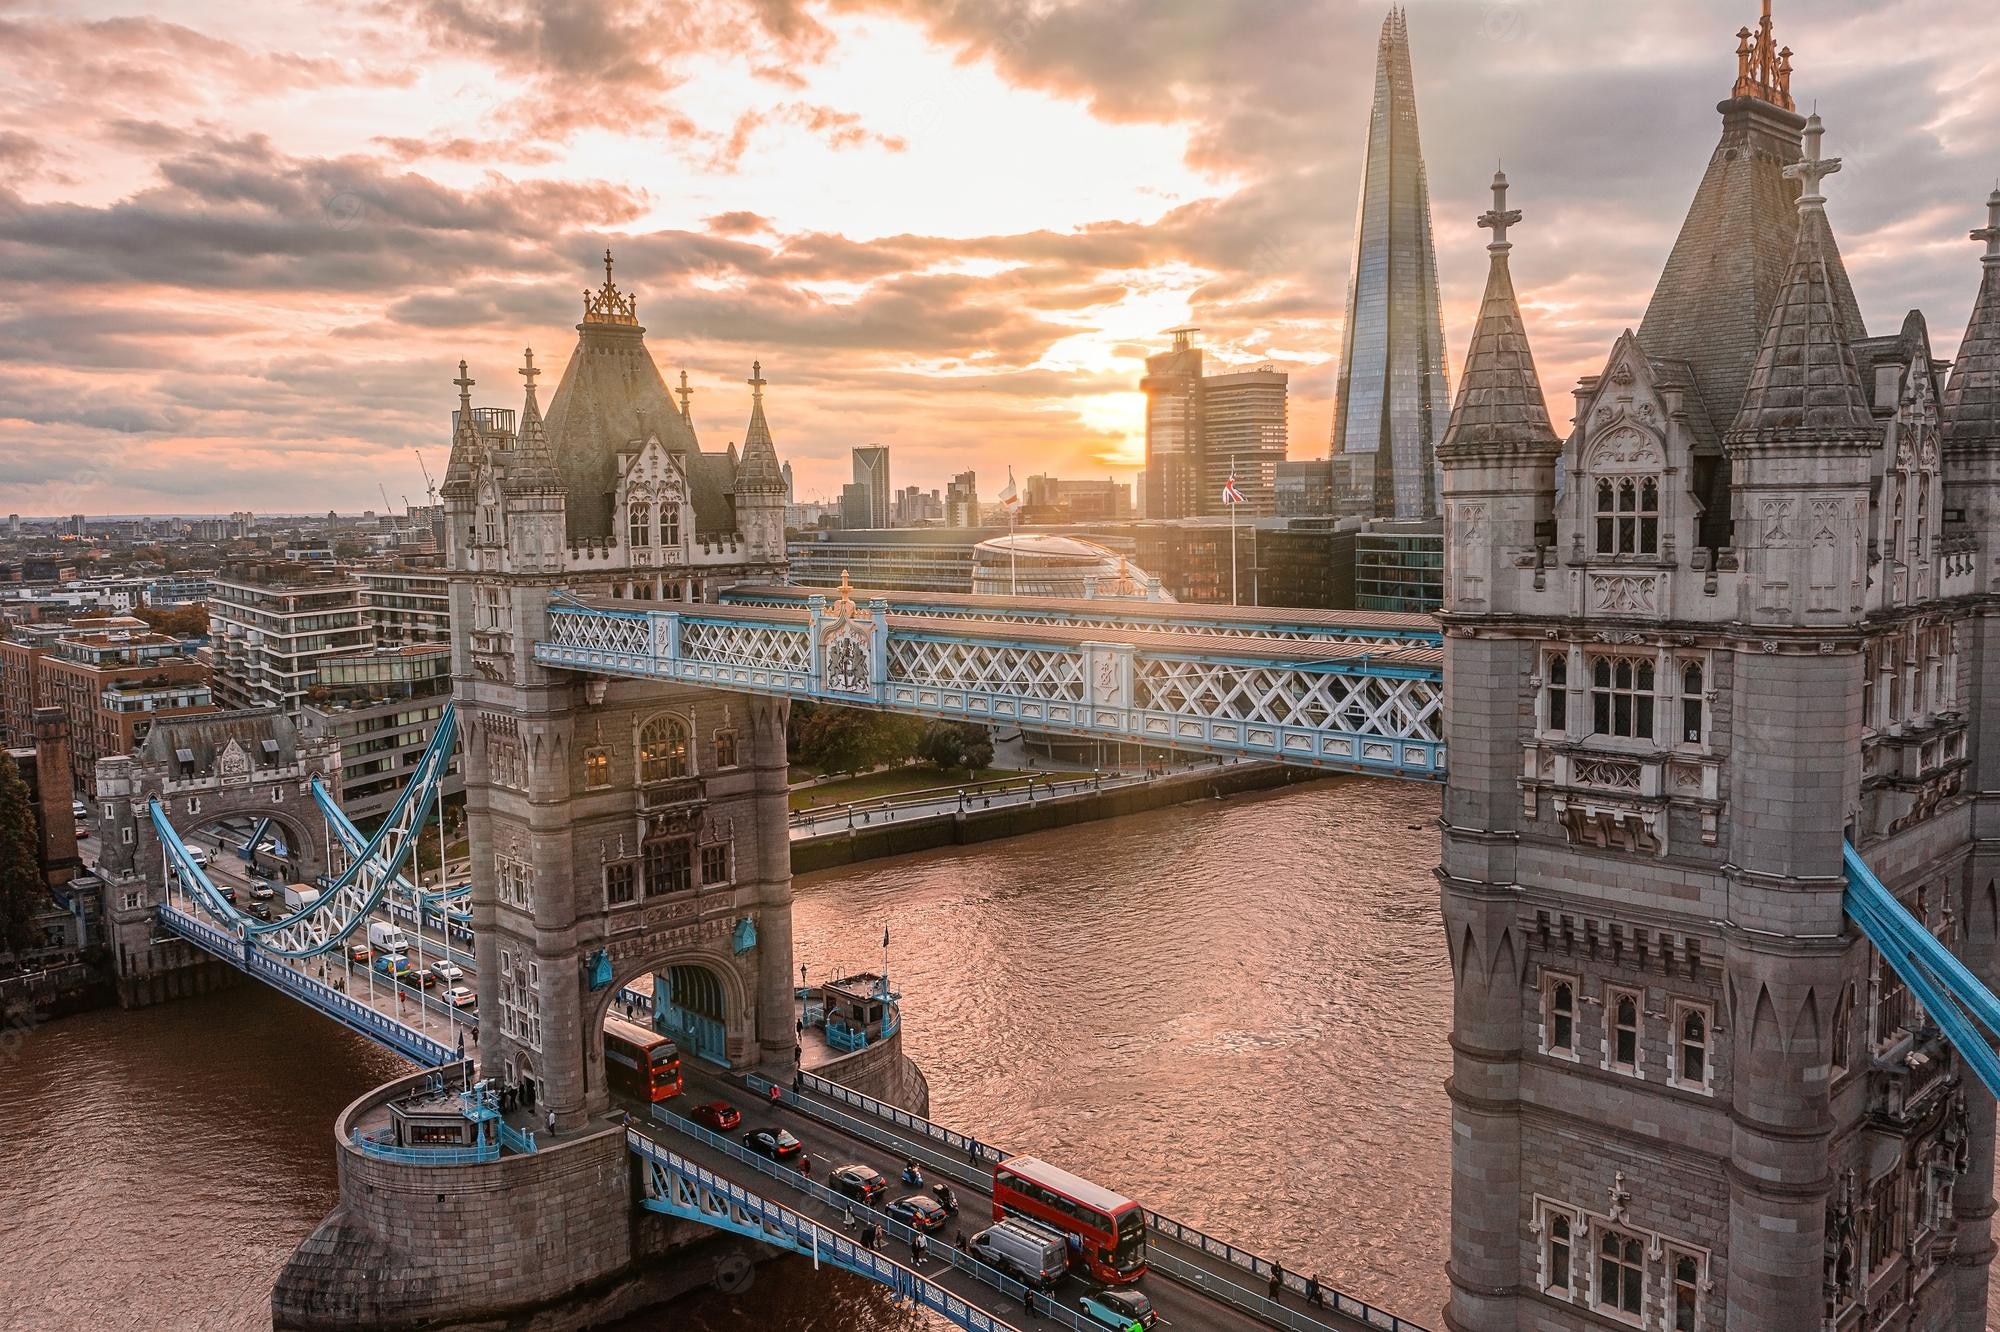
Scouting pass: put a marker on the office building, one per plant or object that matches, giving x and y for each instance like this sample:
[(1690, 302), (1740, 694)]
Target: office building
[(111, 678), (1302, 489), (1391, 400), (871, 471), (382, 707), (1172, 386), (271, 624), (961, 501), (1242, 435), (922, 559), (1399, 566), (1065, 568)]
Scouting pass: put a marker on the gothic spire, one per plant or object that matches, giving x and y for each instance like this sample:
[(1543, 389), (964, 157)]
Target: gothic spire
[(1500, 406), (608, 305), (759, 471), (1972, 395), (467, 453), (1763, 69), (1804, 384), (684, 393), (534, 464)]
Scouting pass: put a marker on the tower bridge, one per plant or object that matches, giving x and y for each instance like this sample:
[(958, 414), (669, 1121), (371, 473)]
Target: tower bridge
[(1720, 842)]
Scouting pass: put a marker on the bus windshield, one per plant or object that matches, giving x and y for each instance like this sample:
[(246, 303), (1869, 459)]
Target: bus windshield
[(1131, 1250)]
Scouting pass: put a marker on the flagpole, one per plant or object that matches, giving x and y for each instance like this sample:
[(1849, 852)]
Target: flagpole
[(1232, 555)]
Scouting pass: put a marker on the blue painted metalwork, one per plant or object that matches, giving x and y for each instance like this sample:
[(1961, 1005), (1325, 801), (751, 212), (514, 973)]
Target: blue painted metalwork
[(244, 955), (1312, 703), (1949, 992), (745, 936), (600, 969), (346, 903), (382, 1148)]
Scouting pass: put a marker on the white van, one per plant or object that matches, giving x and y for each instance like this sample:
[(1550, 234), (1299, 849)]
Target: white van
[(1024, 1251), (384, 937)]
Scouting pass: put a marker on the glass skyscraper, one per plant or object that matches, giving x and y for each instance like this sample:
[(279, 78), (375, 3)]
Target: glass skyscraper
[(1392, 403)]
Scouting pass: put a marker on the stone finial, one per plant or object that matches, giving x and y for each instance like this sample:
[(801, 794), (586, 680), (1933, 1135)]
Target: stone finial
[(1812, 168), (529, 370), (1990, 233), (756, 380), (465, 383), (608, 305), (1763, 71), (1499, 217), (684, 393)]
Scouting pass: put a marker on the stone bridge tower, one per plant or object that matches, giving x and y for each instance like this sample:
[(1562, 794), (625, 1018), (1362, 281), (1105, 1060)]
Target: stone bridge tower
[(621, 831), (1753, 619)]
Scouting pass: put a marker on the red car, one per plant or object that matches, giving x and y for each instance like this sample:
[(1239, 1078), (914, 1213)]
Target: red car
[(720, 1116)]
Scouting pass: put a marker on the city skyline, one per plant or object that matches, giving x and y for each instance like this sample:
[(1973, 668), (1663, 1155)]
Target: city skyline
[(310, 279)]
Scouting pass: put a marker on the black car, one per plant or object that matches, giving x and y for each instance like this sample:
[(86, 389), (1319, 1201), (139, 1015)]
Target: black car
[(778, 1144), (859, 1182), (918, 1212)]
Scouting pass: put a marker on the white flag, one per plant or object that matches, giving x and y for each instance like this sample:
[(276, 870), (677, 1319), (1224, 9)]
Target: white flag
[(1010, 497)]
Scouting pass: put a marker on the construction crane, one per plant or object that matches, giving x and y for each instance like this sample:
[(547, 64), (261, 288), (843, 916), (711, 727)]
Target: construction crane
[(430, 486), (387, 508)]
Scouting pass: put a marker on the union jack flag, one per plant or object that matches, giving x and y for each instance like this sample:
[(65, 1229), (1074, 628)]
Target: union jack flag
[(1230, 494)]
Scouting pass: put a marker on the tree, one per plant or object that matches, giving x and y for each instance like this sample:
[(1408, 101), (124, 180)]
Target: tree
[(837, 739), (189, 621), (950, 745), (21, 886)]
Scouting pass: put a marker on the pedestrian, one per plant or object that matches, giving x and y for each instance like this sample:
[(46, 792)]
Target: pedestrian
[(552, 1121), (1314, 1298), (806, 1164), (774, 1093), (847, 1217), (1277, 1279), (1027, 1299), (917, 1247), (798, 1080), (868, 1236)]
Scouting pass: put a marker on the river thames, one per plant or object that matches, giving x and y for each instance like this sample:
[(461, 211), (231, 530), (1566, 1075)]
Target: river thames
[(1234, 1011)]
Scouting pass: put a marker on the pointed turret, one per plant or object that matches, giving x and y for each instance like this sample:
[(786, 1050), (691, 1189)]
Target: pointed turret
[(1972, 397), (534, 464), (468, 455), (760, 482), (1500, 407), (1803, 385)]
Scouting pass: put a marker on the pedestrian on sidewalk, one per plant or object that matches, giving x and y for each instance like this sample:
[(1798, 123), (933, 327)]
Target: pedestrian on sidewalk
[(1314, 1297), (917, 1246), (552, 1121), (1277, 1279)]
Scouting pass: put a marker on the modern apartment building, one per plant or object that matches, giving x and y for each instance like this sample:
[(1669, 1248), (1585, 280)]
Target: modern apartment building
[(271, 625), (407, 605), (382, 707), (110, 683)]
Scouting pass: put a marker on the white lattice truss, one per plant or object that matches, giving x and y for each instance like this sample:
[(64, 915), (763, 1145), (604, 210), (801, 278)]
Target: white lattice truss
[(1051, 674), (746, 646), (1366, 705), (614, 632)]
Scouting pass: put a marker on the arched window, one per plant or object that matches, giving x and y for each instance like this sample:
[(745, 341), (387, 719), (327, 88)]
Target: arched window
[(1607, 518), (1693, 1038), (1625, 1032), (1558, 692), (489, 525), (670, 524), (1691, 703), (1687, 1292), (1621, 1273), (663, 750), (1621, 696), (639, 523), (1559, 1242), (1562, 1016)]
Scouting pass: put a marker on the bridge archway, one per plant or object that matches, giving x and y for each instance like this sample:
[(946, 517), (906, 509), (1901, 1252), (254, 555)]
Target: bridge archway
[(289, 850), (702, 1000)]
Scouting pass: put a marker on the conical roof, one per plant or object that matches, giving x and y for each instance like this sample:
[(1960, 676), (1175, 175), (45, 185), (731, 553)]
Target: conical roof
[(609, 383), (1715, 295), (759, 471), (468, 455), (1972, 395), (1804, 381), (1499, 404), (534, 465)]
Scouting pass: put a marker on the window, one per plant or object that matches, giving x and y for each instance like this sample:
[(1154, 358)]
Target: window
[(1690, 1051), (1628, 516), (1885, 1222), (1557, 691), (1621, 697), (715, 863), (514, 881), (639, 523), (489, 525), (619, 882), (670, 524), (1687, 1292), (1557, 1264), (133, 901), (725, 749), (596, 768), (1621, 1273), (669, 866), (1559, 1016), (1691, 703), (1621, 1036), (663, 750), (1843, 1030)]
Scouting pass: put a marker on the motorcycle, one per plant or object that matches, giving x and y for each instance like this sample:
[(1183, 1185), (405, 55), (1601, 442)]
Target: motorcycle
[(946, 1198)]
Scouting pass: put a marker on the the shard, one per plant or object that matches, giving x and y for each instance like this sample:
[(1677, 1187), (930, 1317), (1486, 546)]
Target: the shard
[(1392, 402)]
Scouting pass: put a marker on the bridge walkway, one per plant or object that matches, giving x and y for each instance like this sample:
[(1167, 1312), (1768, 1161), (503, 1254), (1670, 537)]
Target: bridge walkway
[(1190, 1288)]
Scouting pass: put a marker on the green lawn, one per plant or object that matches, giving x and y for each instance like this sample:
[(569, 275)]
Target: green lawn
[(897, 781)]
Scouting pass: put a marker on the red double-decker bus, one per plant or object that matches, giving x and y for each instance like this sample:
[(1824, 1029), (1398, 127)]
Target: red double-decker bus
[(1109, 1230), (640, 1062)]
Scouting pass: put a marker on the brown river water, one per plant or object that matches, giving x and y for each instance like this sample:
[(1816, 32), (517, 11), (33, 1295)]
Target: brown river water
[(1233, 1011)]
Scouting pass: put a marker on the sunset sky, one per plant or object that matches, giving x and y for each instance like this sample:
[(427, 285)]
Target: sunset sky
[(244, 246)]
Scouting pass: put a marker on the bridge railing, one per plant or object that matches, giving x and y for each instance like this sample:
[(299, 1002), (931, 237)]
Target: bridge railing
[(382, 1147), (1007, 1287), (966, 1149)]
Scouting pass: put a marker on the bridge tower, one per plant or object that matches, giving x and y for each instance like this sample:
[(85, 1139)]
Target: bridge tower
[(618, 830), (1686, 1093)]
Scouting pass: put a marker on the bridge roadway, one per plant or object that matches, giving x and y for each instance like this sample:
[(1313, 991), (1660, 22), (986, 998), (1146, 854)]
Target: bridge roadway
[(1204, 1291), (1180, 617)]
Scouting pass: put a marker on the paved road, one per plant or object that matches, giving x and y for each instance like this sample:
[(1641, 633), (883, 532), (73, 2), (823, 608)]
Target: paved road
[(807, 823), (1180, 1305)]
